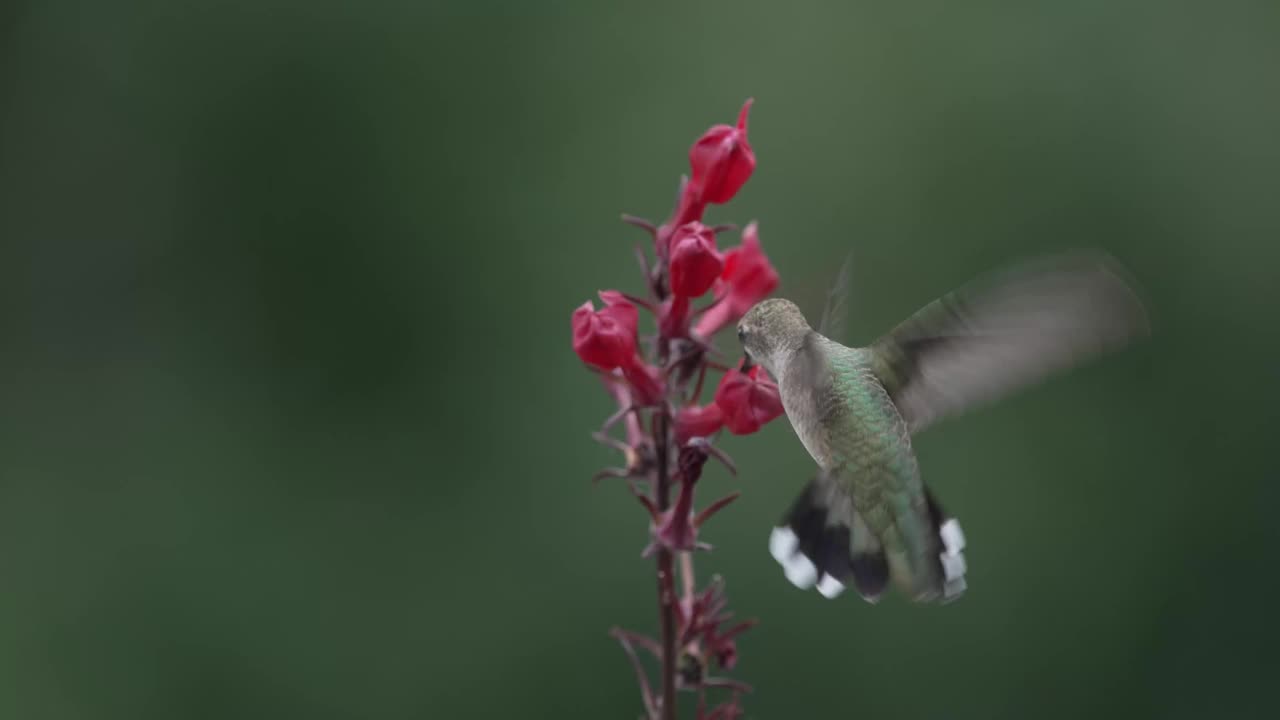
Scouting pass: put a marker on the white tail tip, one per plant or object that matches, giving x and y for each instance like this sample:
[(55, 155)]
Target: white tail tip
[(800, 571), (953, 566), (830, 587), (782, 544), (952, 536)]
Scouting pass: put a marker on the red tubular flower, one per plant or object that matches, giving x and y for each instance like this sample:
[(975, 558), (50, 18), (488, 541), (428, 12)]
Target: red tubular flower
[(694, 421), (645, 381), (747, 400), (748, 278), (689, 208), (606, 338), (695, 261), (722, 160), (673, 317)]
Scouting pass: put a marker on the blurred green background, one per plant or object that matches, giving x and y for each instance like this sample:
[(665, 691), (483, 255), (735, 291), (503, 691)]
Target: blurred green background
[(290, 425)]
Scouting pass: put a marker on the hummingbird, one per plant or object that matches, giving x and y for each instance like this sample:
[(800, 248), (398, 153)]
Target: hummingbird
[(868, 518)]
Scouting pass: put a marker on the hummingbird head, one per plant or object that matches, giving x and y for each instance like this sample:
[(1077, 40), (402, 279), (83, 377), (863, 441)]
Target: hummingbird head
[(770, 331)]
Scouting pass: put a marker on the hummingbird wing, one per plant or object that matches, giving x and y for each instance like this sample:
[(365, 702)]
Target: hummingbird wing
[(835, 312), (1004, 332)]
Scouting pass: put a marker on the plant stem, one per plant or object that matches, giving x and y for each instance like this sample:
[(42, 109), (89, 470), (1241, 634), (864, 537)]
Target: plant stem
[(666, 579), (686, 577)]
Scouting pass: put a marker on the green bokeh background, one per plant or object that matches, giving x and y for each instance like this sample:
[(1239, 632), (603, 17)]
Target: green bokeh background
[(290, 425)]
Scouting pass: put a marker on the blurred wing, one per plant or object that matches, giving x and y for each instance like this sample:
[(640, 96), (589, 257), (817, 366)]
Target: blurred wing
[(1005, 332), (835, 313)]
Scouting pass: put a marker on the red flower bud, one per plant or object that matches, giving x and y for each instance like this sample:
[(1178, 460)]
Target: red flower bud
[(722, 160), (747, 278), (695, 262), (694, 421), (747, 400), (606, 338)]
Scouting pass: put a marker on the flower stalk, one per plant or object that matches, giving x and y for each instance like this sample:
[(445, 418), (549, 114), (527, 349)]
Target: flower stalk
[(667, 436)]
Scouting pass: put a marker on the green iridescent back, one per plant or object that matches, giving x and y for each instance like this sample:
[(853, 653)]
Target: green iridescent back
[(870, 444)]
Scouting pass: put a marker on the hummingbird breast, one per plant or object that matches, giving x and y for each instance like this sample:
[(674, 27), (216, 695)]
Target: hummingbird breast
[(805, 413)]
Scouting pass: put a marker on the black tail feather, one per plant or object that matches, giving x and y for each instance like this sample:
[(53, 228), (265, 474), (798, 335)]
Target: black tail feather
[(822, 540)]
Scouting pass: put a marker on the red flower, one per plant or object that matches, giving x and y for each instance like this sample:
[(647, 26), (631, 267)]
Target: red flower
[(748, 278), (606, 338), (673, 317), (695, 261), (645, 382), (748, 402), (722, 160), (694, 421), (689, 207)]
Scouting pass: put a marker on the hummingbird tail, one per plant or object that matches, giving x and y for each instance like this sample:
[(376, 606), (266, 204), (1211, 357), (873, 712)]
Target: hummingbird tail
[(824, 541), (950, 541)]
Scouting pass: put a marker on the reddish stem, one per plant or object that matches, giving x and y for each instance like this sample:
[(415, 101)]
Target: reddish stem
[(640, 223), (666, 581), (697, 388), (686, 577), (641, 302)]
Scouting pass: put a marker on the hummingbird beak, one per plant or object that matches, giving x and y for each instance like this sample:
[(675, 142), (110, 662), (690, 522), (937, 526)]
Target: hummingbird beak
[(747, 364)]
